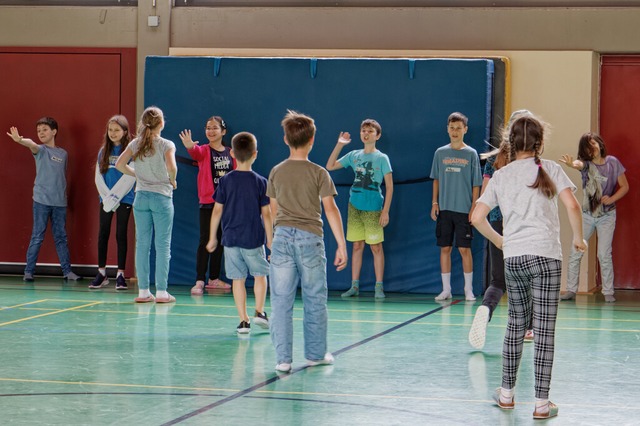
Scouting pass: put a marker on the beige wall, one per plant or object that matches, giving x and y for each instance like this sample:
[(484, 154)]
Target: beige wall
[(554, 52)]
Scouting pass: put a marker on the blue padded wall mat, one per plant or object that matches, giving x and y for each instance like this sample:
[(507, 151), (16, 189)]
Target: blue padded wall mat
[(411, 98)]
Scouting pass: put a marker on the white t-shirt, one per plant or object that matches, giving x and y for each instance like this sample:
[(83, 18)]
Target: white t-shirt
[(530, 220)]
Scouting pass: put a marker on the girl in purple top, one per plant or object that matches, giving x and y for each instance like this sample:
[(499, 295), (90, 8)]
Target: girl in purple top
[(603, 183)]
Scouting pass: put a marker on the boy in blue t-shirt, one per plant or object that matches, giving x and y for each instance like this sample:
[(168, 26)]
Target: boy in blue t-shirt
[(49, 196), (242, 206), (368, 209), (456, 185)]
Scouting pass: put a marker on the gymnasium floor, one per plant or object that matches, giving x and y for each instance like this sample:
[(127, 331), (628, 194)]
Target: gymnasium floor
[(71, 356)]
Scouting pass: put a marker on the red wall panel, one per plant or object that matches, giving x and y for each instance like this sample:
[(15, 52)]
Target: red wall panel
[(619, 115), (81, 89)]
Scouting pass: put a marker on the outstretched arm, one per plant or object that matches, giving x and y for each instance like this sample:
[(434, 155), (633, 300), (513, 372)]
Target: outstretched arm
[(568, 161), (332, 162), (15, 135), (335, 223)]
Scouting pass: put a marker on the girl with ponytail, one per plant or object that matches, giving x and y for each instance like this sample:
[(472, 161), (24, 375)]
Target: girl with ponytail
[(527, 190)]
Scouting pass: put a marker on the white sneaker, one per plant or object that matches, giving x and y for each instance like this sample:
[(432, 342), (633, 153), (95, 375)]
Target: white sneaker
[(327, 360), (283, 367), (478, 332), (469, 297), (443, 296)]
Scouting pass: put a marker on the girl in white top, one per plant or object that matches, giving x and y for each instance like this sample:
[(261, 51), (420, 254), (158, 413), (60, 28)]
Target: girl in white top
[(527, 190)]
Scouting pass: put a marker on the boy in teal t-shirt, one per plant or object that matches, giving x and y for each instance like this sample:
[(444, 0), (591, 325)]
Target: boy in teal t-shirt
[(368, 209)]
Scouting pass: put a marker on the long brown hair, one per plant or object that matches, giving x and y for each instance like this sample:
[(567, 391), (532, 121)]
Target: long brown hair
[(527, 135), (108, 145), (584, 146), (151, 119)]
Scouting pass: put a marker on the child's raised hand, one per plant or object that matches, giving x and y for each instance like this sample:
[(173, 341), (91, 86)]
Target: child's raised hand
[(567, 160), (13, 134), (344, 138), (185, 137)]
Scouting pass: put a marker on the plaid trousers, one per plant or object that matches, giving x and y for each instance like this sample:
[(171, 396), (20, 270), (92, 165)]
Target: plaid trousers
[(533, 283)]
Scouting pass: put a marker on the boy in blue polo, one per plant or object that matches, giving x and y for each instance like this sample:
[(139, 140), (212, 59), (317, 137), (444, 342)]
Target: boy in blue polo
[(243, 207), (368, 212), (49, 196)]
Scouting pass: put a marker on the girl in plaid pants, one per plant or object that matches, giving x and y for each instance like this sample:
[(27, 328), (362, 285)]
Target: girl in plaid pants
[(527, 190)]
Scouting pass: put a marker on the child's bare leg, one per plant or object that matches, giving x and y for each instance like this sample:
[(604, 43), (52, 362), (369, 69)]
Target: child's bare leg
[(378, 267), (356, 266), (467, 268), (260, 292), (445, 269), (240, 299)]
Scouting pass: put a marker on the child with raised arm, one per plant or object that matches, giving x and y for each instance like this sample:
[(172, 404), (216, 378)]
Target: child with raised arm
[(298, 190), (603, 184), (155, 171), (243, 208), (214, 161), (456, 184), (368, 212), (527, 190), (49, 196), (116, 196)]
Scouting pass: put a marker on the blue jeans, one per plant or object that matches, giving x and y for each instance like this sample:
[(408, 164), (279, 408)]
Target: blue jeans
[(604, 225), (153, 213), (298, 256), (41, 215)]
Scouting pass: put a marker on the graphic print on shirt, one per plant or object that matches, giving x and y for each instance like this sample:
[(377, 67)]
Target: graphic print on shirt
[(364, 179), (221, 164), (454, 164)]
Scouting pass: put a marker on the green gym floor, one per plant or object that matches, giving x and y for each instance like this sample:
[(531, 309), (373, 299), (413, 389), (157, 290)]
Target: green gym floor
[(71, 356)]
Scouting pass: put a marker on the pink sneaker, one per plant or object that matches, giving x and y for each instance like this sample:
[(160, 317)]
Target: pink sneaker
[(198, 289), (217, 285)]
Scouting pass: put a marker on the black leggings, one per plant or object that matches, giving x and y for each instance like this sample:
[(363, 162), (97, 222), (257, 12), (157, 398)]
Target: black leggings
[(122, 225), (204, 259)]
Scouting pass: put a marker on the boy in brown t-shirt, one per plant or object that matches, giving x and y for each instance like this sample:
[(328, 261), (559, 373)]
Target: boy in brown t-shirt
[(297, 188)]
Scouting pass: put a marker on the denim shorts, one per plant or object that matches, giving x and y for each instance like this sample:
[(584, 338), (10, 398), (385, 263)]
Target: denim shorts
[(240, 262)]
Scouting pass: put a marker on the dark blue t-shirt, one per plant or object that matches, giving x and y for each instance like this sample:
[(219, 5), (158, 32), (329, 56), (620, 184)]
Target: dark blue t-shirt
[(243, 195)]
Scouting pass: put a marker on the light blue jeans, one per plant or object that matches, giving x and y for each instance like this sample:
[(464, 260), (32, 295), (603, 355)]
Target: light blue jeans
[(604, 226), (298, 256), (41, 215), (153, 213)]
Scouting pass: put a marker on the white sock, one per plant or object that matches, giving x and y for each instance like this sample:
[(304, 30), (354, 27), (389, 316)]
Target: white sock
[(103, 271), (542, 403), (144, 293), (468, 282), (446, 282), (162, 294), (119, 273), (506, 395)]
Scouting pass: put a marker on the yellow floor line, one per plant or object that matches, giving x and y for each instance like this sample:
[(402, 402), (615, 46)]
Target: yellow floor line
[(48, 313), (24, 304)]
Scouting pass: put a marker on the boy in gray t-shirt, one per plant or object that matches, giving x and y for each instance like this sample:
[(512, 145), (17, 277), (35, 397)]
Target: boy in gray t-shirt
[(49, 195)]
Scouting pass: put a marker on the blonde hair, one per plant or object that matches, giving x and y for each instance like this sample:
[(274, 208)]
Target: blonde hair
[(151, 119)]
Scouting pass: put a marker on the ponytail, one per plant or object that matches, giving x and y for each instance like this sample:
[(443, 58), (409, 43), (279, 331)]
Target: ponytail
[(150, 120)]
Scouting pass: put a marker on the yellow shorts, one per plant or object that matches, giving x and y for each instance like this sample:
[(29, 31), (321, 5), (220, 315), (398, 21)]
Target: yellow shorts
[(364, 226)]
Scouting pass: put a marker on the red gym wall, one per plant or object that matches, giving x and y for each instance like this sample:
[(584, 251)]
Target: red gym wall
[(81, 89), (619, 117)]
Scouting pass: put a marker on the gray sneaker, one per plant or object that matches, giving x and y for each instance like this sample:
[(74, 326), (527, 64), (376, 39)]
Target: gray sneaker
[(609, 298), (568, 296), (71, 276), (28, 277)]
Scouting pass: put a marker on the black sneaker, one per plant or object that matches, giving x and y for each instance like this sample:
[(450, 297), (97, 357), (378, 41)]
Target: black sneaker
[(243, 328), (99, 281), (262, 320), (121, 283)]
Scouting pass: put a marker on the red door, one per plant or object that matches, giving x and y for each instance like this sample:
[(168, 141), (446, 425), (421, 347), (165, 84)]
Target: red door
[(81, 89), (619, 118)]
